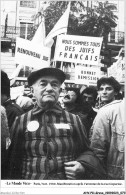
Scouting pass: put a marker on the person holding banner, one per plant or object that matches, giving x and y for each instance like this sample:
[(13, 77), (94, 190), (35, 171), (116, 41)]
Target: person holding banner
[(49, 143)]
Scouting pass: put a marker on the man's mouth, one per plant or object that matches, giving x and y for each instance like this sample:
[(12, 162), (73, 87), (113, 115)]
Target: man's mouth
[(49, 95)]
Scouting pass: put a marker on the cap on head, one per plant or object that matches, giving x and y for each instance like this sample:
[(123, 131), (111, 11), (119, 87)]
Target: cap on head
[(34, 76)]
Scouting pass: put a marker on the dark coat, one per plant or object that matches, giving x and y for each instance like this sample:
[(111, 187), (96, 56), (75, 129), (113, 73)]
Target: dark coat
[(78, 111), (12, 111), (90, 116), (5, 141)]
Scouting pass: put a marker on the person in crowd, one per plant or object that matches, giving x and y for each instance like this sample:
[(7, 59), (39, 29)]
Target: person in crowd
[(108, 89), (72, 103), (5, 142), (12, 109), (25, 103), (49, 142), (89, 95), (108, 139), (72, 100)]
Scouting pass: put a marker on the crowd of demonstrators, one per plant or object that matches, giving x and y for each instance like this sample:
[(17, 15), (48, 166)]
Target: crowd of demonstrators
[(12, 109), (49, 142), (59, 134)]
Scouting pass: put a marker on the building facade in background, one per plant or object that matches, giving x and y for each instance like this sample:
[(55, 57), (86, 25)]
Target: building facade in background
[(17, 21)]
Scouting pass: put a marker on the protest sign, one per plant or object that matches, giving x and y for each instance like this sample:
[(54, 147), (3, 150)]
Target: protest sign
[(78, 49), (86, 75), (31, 54)]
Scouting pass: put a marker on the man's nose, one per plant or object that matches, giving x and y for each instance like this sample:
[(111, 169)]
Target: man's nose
[(104, 91), (49, 87)]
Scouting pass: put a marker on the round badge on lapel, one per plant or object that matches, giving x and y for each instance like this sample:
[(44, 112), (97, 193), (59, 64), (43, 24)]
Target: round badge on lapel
[(33, 126)]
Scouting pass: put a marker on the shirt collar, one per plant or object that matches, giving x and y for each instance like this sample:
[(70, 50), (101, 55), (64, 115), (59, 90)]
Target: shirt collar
[(56, 109)]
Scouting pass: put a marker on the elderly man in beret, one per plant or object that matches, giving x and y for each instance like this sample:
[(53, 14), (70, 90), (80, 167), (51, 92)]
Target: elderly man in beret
[(48, 142)]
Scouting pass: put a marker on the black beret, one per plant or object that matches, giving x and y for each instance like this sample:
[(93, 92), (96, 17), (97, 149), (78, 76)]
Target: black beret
[(35, 75)]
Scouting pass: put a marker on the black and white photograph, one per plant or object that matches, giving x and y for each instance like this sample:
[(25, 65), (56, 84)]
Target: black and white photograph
[(63, 97)]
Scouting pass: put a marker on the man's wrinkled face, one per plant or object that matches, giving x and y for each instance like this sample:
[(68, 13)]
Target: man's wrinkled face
[(70, 97), (107, 93), (46, 90)]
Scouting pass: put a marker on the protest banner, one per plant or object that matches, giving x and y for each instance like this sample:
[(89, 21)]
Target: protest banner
[(78, 49), (30, 54), (86, 75)]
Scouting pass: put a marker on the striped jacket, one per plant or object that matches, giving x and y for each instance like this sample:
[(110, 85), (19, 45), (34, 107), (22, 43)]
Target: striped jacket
[(43, 140)]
